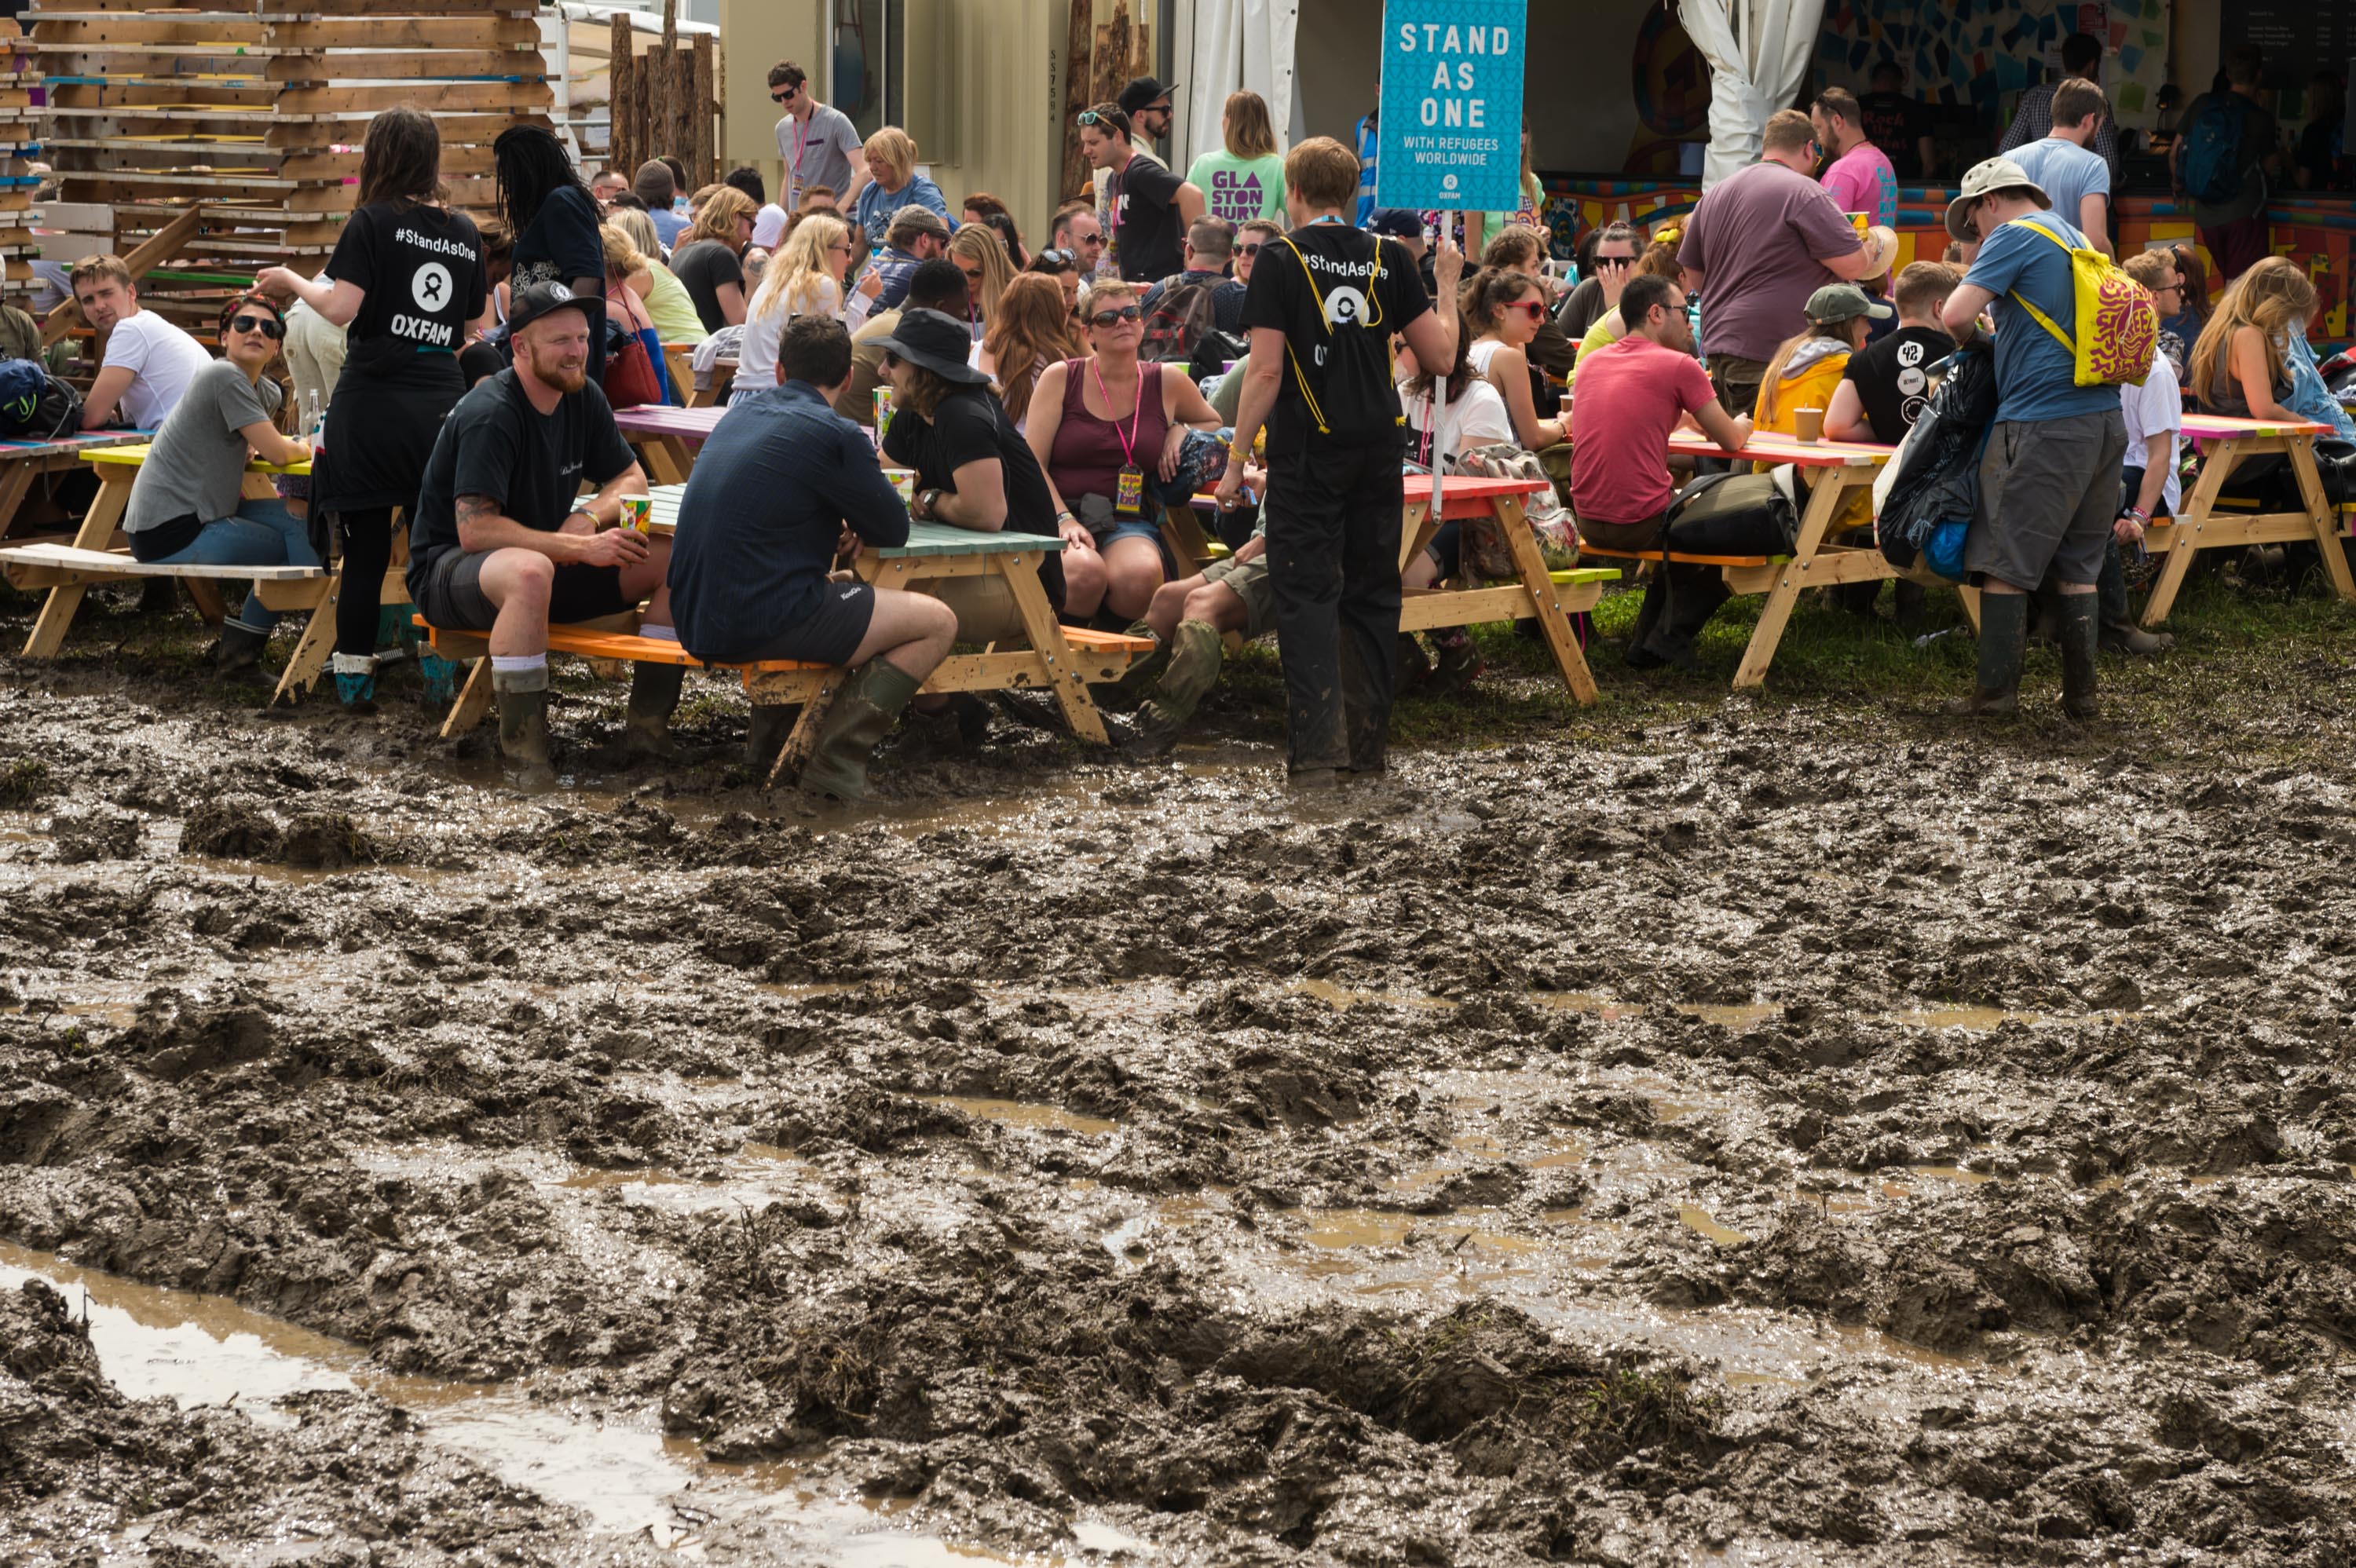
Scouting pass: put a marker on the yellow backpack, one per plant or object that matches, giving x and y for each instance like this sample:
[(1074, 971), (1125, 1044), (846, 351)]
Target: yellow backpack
[(2119, 323)]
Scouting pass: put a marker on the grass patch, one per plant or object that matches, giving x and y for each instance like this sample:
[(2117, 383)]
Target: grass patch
[(23, 781)]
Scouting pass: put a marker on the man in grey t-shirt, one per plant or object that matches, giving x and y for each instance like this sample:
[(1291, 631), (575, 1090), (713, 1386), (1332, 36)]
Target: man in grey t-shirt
[(818, 144)]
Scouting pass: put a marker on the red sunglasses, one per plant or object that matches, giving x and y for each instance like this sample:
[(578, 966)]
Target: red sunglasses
[(1537, 312)]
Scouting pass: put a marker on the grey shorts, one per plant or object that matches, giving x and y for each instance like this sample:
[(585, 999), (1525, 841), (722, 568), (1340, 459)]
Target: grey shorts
[(1247, 581), (2049, 491), (449, 593)]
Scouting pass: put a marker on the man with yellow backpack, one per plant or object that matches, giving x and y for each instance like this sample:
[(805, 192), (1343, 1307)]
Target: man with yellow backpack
[(2070, 329)]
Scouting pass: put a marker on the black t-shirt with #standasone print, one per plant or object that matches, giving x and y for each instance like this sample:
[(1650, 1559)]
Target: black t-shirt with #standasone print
[(421, 270), (1337, 293), (1892, 378)]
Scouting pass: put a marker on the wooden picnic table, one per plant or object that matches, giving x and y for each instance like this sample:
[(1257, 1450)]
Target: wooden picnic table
[(22, 462), (663, 438), (1535, 592), (936, 552), (1835, 470), (2199, 526)]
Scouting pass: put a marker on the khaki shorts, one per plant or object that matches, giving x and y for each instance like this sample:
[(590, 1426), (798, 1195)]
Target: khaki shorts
[(1247, 581)]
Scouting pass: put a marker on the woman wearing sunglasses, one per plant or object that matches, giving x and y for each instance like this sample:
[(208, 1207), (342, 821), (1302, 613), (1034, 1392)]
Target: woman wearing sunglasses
[(188, 506), (1506, 309), (1111, 432), (407, 278)]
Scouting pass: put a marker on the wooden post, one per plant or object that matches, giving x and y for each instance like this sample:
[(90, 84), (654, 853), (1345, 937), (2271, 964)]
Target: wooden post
[(707, 147), (624, 152), (1079, 69)]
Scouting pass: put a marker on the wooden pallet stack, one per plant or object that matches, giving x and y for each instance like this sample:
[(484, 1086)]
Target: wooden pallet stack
[(663, 99), (258, 115), (20, 80)]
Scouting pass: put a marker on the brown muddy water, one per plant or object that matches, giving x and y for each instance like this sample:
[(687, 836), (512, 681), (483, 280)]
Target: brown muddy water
[(1782, 1138)]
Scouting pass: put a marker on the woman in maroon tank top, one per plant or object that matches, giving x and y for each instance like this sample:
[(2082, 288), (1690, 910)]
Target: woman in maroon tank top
[(1106, 430)]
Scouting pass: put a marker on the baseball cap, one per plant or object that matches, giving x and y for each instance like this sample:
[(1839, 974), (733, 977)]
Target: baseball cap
[(1845, 301), (1140, 91), (1397, 222), (536, 300)]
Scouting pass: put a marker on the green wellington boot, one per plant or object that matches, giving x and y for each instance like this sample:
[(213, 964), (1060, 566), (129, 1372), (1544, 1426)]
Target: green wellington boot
[(862, 716), (1196, 652), (654, 696), (772, 725), (523, 727), (2004, 621), (2081, 629)]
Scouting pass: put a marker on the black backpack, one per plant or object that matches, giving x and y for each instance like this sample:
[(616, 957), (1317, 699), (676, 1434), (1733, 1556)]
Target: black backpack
[(34, 404), (1184, 313)]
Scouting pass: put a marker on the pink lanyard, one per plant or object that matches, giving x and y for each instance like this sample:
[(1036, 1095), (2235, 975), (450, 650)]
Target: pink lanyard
[(801, 134), (1129, 441)]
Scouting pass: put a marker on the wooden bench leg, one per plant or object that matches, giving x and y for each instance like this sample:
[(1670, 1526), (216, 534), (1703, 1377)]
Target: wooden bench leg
[(474, 704), (1822, 505), (2318, 508), (1970, 598), (1021, 572), (794, 754), (2189, 526), (14, 485), (97, 529), (1553, 624), (318, 639)]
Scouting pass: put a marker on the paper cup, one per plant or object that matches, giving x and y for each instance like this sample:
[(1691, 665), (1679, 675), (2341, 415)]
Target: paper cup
[(1859, 222), (639, 512), (1808, 425), (903, 480)]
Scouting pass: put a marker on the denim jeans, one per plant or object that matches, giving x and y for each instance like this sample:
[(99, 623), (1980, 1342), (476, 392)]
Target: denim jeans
[(259, 533)]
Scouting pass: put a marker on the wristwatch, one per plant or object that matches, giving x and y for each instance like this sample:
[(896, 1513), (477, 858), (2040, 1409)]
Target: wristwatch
[(930, 499)]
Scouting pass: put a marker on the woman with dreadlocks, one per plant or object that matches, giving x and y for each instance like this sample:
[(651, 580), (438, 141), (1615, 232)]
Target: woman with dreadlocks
[(555, 222)]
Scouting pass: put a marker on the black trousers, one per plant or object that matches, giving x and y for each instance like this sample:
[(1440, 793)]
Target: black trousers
[(1333, 519), (367, 538)]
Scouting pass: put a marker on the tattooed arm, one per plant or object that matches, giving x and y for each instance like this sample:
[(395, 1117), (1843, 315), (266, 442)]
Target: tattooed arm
[(483, 527)]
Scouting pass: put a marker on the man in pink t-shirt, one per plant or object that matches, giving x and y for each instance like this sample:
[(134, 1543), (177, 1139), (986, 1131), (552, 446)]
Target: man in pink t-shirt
[(1643, 387), (1859, 177)]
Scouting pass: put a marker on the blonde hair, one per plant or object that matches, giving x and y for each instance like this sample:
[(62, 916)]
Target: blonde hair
[(975, 243), (898, 151), (632, 222), (716, 218), (622, 257), (1031, 325), (796, 277), (2274, 296), (1772, 379), (1244, 127)]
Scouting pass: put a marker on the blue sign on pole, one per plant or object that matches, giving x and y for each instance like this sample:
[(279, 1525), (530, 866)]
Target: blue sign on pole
[(1451, 133)]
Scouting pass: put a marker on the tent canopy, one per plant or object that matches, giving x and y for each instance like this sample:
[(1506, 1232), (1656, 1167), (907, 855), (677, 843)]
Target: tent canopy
[(1758, 52)]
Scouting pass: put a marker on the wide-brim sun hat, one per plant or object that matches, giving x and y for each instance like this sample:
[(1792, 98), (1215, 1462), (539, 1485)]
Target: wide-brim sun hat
[(937, 342), (1985, 179)]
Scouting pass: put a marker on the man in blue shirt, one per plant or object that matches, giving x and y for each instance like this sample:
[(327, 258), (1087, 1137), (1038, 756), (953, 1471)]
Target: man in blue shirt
[(2077, 182), (783, 486), (2050, 476)]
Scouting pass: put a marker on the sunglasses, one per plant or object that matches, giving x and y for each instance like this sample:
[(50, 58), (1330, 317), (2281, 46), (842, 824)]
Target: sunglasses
[(890, 360), (974, 276), (1115, 317), (1251, 250), (1057, 258), (1538, 311), (1091, 117), (1161, 108), (1615, 261), (268, 327), (788, 96)]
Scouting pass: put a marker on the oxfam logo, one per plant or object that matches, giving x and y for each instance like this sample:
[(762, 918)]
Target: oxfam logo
[(1448, 183), (1346, 307)]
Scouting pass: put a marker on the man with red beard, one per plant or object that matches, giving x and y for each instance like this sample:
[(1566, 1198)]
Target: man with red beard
[(506, 543)]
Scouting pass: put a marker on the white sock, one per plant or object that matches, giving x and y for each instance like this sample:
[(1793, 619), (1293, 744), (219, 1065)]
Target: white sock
[(660, 633), (511, 663)]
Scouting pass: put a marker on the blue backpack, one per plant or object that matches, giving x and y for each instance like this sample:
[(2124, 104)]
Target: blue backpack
[(34, 404), (2213, 149)]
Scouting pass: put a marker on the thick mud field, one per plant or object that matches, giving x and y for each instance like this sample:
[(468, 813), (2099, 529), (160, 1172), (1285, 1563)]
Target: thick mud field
[(1732, 1129)]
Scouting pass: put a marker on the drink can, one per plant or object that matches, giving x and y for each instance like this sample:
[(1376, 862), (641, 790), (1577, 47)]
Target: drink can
[(639, 512)]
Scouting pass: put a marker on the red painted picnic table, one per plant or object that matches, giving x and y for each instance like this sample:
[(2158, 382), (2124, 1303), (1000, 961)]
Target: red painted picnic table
[(1535, 592)]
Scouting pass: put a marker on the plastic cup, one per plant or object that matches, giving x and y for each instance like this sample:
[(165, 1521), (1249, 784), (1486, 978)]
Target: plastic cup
[(1808, 425), (639, 512)]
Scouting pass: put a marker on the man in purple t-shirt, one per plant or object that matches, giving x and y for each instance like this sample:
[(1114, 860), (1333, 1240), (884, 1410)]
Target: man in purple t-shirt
[(1859, 176), (1761, 241)]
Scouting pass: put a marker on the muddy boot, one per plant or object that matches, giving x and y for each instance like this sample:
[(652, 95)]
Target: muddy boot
[(440, 677), (2003, 618), (356, 682), (772, 722), (861, 715), (1648, 617), (1412, 667), (523, 727), (1196, 652), (240, 648), (654, 695), (1139, 678), (158, 596), (1460, 663), (2127, 637), (2079, 624)]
